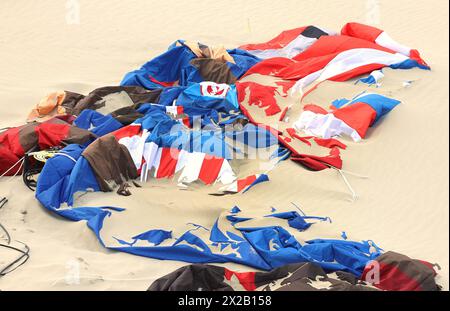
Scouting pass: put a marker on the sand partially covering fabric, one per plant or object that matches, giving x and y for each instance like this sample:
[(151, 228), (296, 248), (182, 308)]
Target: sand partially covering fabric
[(403, 206)]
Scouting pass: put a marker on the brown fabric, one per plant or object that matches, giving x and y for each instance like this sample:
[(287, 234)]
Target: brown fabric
[(78, 136), (126, 115), (214, 70), (28, 138), (111, 162), (94, 100), (218, 53), (66, 102)]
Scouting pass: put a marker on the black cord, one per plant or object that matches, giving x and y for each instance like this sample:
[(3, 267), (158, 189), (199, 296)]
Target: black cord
[(25, 254), (8, 237), (3, 201), (19, 261)]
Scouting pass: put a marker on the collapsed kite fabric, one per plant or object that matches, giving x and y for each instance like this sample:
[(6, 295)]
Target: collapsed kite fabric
[(186, 114), (416, 276)]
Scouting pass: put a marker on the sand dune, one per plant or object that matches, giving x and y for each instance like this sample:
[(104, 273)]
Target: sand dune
[(403, 206)]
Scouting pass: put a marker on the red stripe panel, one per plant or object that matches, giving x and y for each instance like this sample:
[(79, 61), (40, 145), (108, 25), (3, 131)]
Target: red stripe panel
[(168, 162), (165, 84), (278, 42), (51, 135), (210, 169), (292, 132), (315, 109), (327, 45), (246, 279), (356, 72), (127, 131), (358, 116), (361, 31), (329, 142), (242, 183)]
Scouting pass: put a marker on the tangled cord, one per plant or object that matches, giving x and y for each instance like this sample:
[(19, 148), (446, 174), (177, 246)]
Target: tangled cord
[(24, 253)]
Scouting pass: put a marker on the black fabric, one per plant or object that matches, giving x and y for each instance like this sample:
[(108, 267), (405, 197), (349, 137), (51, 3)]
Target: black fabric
[(292, 277), (192, 278), (313, 32)]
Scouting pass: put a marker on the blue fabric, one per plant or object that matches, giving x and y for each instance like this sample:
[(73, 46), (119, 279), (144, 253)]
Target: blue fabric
[(261, 178), (96, 122), (174, 66), (168, 67), (381, 104)]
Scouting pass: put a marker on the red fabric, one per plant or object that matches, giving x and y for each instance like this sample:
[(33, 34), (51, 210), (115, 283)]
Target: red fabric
[(127, 131), (164, 84), (270, 66), (358, 116), (356, 72), (210, 169), (361, 31), (10, 140), (186, 122), (50, 135), (393, 279), (329, 45), (283, 114), (246, 279), (315, 58), (7, 160), (315, 109), (242, 183), (415, 55), (293, 133), (329, 143), (319, 163), (286, 86), (168, 162), (316, 163), (278, 42), (260, 95)]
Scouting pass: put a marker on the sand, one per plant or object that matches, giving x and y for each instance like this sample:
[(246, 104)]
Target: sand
[(403, 206)]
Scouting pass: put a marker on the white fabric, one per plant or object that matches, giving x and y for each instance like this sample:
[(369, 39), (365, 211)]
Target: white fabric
[(212, 89), (135, 145), (183, 157), (156, 161), (324, 125), (346, 61), (377, 75), (226, 174), (192, 167), (291, 50), (386, 41), (172, 110), (149, 154)]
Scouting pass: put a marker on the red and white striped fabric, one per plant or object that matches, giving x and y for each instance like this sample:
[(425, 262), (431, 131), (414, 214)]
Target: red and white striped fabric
[(287, 44), (240, 184), (357, 50), (166, 162)]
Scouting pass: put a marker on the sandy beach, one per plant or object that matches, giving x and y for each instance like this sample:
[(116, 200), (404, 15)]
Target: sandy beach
[(403, 206)]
